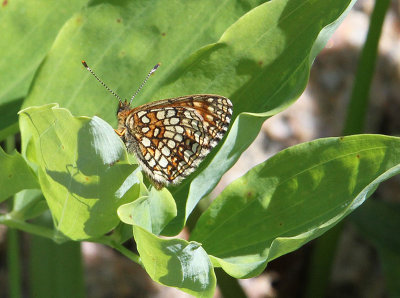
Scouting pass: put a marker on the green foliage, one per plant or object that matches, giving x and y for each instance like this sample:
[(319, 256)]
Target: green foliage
[(28, 29), (151, 212), (176, 263), (55, 269), (258, 54), (83, 170), (379, 223), (15, 175), (293, 198)]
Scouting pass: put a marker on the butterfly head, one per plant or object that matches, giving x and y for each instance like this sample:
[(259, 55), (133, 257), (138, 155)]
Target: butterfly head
[(123, 111), (123, 106)]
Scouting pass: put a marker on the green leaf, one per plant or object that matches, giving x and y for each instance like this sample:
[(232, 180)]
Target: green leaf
[(82, 168), (15, 175), (176, 263), (293, 198), (379, 222), (28, 204), (28, 28), (258, 56), (121, 42), (262, 64), (152, 212)]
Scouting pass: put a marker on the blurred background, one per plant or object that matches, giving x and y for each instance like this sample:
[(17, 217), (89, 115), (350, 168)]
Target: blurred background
[(357, 269)]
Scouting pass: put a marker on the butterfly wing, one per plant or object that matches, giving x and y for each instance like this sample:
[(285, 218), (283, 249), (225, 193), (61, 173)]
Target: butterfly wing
[(171, 137)]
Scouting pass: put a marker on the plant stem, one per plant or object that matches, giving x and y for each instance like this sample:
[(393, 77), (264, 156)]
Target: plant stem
[(228, 285), (13, 264), (122, 249), (26, 227), (13, 255), (357, 109), (55, 270)]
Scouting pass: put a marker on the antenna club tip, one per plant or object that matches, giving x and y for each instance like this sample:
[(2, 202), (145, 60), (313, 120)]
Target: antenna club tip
[(84, 63), (155, 68)]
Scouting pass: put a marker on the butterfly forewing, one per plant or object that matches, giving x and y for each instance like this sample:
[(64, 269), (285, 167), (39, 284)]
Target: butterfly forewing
[(171, 137)]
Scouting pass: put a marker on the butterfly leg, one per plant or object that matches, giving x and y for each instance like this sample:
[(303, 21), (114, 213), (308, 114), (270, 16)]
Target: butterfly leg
[(120, 133)]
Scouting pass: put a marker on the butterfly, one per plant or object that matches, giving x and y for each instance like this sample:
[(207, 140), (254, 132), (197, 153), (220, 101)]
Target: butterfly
[(170, 137)]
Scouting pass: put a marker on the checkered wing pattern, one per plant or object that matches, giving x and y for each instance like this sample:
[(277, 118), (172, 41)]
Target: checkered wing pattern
[(171, 137)]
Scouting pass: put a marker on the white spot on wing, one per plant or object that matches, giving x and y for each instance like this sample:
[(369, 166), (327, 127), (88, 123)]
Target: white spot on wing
[(171, 144), (194, 147), (157, 154), (145, 119), (168, 134), (141, 113), (187, 154), (188, 115), (197, 135), (179, 129), (174, 121), (160, 115), (170, 113), (146, 142), (152, 162), (178, 137), (165, 150), (163, 162)]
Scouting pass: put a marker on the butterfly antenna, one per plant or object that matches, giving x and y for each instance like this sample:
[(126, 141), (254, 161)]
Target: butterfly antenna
[(145, 80), (101, 82)]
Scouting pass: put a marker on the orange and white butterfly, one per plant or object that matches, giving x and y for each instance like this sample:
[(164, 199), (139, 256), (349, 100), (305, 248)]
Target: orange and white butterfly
[(170, 137)]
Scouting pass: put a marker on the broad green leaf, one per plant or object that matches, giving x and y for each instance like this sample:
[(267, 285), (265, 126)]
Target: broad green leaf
[(293, 198), (176, 263), (262, 64), (152, 212), (28, 203), (28, 28), (255, 55), (82, 168), (121, 42), (379, 222), (125, 211), (15, 175)]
